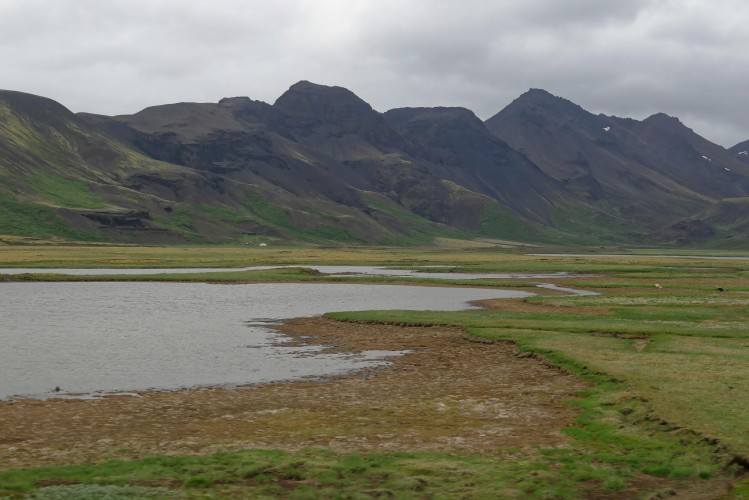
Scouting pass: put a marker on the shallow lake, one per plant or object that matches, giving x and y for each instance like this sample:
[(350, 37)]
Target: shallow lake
[(90, 338), (332, 270)]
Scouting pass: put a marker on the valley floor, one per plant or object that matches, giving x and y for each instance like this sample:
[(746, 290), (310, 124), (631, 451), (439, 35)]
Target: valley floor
[(636, 393)]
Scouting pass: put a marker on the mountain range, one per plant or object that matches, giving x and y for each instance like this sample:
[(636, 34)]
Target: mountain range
[(321, 166)]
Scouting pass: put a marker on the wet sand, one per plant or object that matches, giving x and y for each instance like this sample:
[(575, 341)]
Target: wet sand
[(448, 393)]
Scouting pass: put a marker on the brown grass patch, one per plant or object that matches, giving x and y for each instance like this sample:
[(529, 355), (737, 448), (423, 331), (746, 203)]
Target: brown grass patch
[(447, 394)]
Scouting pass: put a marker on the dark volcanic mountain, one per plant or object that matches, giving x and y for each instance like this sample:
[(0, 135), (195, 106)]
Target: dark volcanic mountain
[(456, 146), (335, 121), (326, 144), (59, 177), (289, 189), (320, 165), (646, 173)]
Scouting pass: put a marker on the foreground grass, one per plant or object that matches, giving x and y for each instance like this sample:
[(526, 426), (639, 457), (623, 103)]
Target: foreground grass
[(688, 355), (676, 356), (619, 450), (668, 408), (312, 474), (549, 473)]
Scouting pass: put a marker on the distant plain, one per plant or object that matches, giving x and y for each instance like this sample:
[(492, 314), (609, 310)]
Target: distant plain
[(666, 368)]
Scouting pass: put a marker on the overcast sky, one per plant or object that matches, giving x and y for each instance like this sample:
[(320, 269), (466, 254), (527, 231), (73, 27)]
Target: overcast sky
[(687, 58)]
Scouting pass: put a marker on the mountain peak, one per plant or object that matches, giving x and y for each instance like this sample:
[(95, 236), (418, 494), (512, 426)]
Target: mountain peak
[(538, 93), (662, 118), (235, 101), (441, 126), (400, 116), (539, 108), (309, 99), (666, 124), (308, 86), (540, 98), (337, 109)]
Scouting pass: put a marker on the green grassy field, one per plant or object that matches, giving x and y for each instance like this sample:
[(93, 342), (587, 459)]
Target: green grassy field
[(667, 412)]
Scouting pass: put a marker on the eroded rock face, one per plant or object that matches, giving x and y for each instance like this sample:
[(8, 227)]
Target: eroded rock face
[(132, 219), (458, 147)]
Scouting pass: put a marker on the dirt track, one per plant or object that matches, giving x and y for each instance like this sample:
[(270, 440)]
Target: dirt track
[(447, 393)]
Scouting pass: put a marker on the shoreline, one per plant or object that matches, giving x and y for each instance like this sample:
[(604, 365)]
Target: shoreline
[(446, 393)]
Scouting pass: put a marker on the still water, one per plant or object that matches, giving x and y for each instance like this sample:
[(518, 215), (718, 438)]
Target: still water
[(90, 338), (332, 270)]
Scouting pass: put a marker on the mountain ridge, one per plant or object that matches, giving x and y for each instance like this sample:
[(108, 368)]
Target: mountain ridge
[(321, 165), (653, 166)]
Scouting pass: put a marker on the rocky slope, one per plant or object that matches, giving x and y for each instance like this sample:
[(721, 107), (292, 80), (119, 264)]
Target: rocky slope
[(320, 145), (321, 166), (654, 174)]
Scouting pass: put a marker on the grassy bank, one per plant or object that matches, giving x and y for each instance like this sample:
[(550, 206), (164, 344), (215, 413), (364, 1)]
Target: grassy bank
[(666, 414), (675, 356), (686, 353)]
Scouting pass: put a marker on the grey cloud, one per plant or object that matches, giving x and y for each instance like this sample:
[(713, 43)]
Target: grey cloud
[(629, 58)]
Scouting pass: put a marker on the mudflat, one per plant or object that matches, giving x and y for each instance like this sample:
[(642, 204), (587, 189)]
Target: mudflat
[(448, 392)]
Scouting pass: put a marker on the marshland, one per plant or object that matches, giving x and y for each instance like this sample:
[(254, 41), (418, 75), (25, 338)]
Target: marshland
[(632, 392)]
